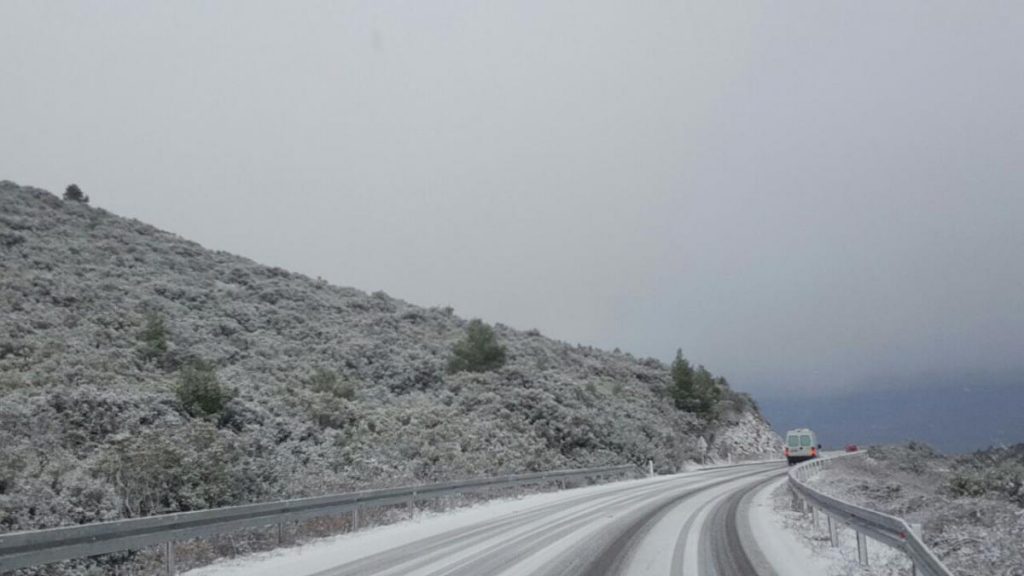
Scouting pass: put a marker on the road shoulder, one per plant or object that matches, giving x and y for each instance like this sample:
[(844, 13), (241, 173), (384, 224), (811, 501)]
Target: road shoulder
[(775, 549), (794, 546)]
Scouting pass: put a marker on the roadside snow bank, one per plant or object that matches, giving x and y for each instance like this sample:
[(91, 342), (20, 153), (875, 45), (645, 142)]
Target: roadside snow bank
[(793, 545), (787, 552)]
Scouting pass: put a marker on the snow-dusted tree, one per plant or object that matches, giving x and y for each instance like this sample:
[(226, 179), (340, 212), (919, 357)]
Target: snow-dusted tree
[(707, 392), (153, 338), (199, 390), (75, 194), (479, 351), (682, 382), (693, 390)]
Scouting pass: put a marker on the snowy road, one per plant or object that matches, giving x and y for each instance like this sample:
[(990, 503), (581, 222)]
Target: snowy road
[(684, 525)]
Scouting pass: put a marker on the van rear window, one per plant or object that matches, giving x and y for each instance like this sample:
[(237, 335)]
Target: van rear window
[(805, 440), (793, 441)]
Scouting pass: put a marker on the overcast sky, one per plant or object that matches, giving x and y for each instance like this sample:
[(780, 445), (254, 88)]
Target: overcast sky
[(801, 195)]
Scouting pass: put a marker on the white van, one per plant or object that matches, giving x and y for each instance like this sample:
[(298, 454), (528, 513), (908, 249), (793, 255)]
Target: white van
[(801, 444)]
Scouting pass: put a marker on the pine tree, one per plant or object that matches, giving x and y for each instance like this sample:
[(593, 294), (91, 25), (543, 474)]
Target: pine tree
[(479, 351), (694, 390), (682, 383), (199, 390), (707, 392), (153, 338), (74, 194)]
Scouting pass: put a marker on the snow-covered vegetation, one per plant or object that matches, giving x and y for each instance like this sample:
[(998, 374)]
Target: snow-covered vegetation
[(141, 373), (970, 506)]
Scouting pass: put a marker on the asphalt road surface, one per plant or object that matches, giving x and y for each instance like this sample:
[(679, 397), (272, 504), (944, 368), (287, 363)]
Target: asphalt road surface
[(690, 524)]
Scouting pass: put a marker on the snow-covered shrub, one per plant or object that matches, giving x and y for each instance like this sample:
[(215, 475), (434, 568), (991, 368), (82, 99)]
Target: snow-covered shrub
[(328, 382), (997, 472), (153, 339), (189, 468), (479, 351), (199, 391)]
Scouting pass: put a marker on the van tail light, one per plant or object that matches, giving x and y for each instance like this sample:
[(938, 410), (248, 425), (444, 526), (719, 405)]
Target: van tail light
[(814, 451), (787, 451)]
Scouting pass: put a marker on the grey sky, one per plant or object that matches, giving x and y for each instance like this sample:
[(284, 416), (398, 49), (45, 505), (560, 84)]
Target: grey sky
[(801, 195)]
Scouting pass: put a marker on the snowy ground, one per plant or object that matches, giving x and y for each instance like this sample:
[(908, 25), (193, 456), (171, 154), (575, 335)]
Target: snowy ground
[(795, 543), (973, 536)]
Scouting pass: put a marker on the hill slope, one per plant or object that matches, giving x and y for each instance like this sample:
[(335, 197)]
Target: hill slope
[(332, 388)]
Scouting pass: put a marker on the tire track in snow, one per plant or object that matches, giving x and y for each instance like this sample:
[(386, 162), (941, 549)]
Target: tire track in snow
[(727, 554), (614, 559), (421, 553)]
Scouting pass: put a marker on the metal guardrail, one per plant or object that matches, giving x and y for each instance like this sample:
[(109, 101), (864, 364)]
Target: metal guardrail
[(34, 548), (889, 530)]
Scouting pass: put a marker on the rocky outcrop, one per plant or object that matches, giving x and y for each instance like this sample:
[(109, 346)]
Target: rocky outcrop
[(748, 437)]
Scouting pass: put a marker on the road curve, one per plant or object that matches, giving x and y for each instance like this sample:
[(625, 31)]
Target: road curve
[(682, 525)]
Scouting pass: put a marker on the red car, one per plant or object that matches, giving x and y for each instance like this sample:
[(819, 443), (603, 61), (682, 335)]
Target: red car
[(851, 448)]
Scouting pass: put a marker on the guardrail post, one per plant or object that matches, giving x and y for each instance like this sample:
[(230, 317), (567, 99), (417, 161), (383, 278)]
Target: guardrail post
[(796, 503), (172, 569), (412, 504), (833, 531), (862, 548), (280, 529), (814, 517), (355, 518), (916, 529)]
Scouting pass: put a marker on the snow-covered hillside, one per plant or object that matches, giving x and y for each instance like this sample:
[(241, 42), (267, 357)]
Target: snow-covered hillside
[(331, 388), (971, 507)]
